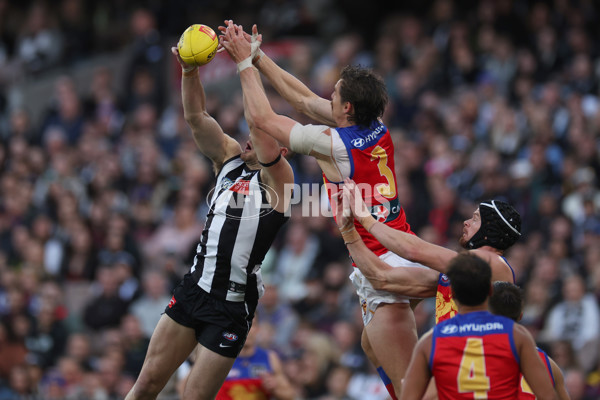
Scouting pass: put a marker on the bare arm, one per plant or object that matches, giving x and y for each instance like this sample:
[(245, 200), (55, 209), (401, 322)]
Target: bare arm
[(532, 367), (257, 104), (279, 176), (418, 374), (295, 92), (207, 133), (559, 382), (404, 244), (288, 86), (500, 270), (413, 282)]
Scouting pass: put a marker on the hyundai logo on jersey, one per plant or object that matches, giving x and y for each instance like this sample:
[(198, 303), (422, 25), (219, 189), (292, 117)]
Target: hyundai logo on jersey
[(362, 141), (449, 329)]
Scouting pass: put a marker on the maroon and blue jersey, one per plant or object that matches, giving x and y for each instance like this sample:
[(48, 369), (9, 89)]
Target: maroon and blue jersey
[(525, 392), (473, 356), (371, 154), (244, 380)]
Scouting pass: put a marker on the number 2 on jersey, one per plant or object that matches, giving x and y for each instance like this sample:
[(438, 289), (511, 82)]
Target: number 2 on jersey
[(386, 190), (471, 374)]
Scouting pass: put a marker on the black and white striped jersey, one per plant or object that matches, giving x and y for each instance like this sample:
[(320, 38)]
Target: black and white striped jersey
[(240, 228)]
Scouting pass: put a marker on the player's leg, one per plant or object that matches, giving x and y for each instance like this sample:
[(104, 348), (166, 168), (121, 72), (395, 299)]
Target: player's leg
[(207, 375), (392, 336), (366, 346), (170, 345)]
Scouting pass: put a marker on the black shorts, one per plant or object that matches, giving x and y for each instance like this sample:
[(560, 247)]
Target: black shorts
[(221, 326)]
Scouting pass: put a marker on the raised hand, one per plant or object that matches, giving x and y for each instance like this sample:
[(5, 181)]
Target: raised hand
[(184, 66), (235, 43), (255, 39)]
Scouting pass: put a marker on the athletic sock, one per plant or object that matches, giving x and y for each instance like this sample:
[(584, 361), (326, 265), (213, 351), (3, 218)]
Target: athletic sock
[(387, 382)]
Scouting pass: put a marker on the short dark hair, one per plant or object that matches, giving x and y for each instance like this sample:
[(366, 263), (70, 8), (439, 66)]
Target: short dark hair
[(506, 300), (366, 91), (470, 279)]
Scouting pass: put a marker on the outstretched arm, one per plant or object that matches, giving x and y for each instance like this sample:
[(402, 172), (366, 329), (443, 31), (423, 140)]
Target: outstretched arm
[(290, 88), (277, 175), (404, 244), (412, 282), (257, 104), (208, 135), (407, 281), (295, 92)]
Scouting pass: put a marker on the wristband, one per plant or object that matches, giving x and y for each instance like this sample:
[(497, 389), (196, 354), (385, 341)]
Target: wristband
[(258, 56), (189, 71), (367, 222), (350, 236), (246, 63)]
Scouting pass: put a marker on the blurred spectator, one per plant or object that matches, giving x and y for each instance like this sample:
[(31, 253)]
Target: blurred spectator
[(72, 374), (106, 309), (135, 345), (277, 318), (19, 384), (576, 385), (47, 338), (12, 352), (149, 307), (176, 236), (576, 319), (295, 262), (79, 349), (40, 44)]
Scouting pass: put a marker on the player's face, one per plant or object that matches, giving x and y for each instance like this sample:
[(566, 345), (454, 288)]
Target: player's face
[(470, 228), (248, 153), (336, 101)]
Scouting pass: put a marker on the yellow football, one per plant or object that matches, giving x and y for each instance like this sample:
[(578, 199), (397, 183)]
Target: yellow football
[(198, 45)]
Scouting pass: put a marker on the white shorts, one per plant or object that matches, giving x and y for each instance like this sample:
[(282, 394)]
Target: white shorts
[(369, 297)]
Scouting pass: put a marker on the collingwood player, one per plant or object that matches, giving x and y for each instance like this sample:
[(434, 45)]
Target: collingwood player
[(212, 308)]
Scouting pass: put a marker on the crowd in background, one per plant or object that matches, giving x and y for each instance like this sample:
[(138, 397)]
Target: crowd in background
[(103, 198)]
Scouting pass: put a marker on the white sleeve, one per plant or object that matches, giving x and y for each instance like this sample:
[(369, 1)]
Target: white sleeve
[(307, 138), (322, 139)]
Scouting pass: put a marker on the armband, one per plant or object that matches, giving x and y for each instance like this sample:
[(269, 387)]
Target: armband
[(270, 164)]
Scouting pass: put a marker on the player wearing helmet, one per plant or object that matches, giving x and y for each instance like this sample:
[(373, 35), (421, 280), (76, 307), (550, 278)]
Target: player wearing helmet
[(493, 228)]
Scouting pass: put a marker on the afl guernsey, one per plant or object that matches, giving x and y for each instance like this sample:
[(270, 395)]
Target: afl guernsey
[(244, 379), (473, 356), (371, 158), (239, 230), (445, 308), (525, 392)]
